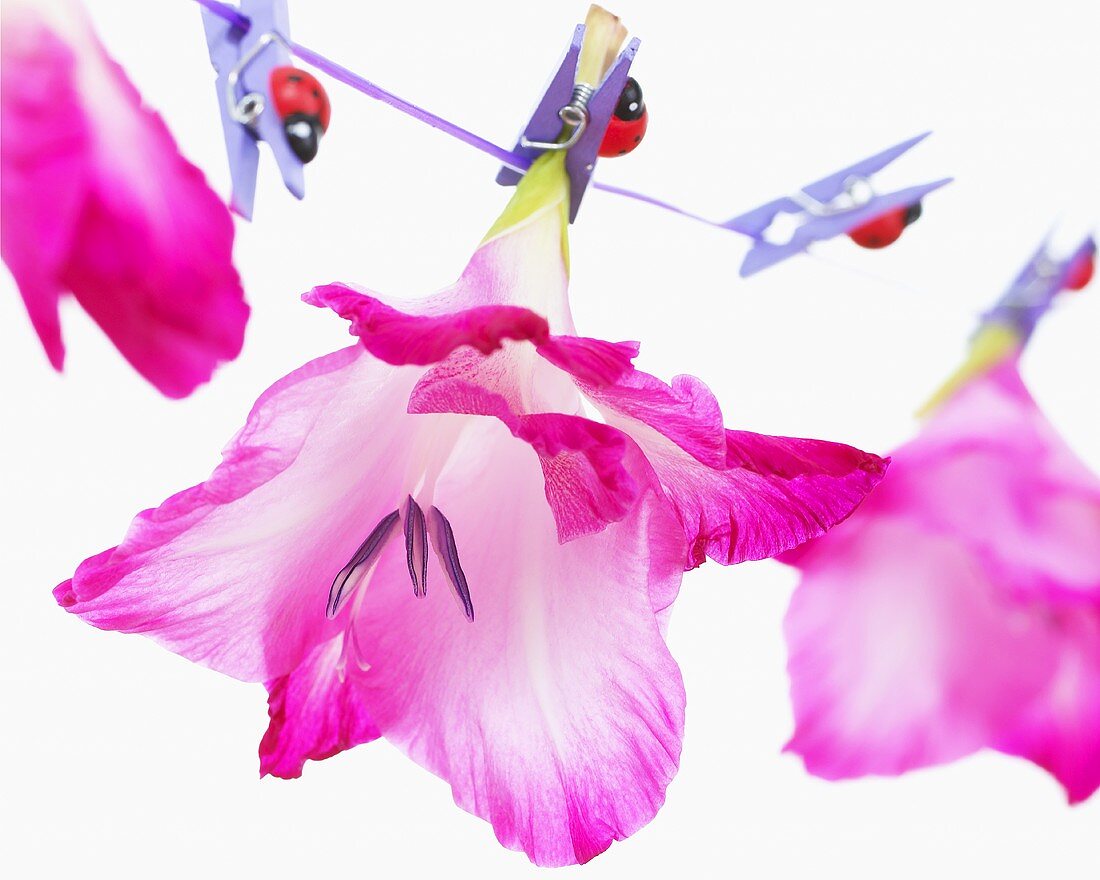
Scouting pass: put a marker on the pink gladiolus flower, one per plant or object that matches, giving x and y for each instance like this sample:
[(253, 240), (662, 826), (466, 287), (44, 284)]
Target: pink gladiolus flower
[(97, 201), (547, 698), (959, 609)]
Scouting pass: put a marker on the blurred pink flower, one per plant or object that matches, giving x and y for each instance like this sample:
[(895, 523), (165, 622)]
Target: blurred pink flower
[(97, 201), (548, 699), (959, 609)]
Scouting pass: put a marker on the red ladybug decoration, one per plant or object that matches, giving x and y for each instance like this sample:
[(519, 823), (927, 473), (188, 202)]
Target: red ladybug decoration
[(1081, 274), (886, 228), (628, 122), (303, 105)]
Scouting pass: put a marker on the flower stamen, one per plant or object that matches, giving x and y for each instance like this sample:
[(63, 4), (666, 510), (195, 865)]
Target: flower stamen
[(443, 542), (366, 555), (416, 547)]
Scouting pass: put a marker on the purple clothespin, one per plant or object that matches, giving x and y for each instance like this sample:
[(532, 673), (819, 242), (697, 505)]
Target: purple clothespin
[(244, 58), (1032, 291), (825, 209), (581, 111)]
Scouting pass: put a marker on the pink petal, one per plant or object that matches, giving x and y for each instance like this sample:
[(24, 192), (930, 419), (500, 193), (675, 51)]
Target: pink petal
[(107, 207), (959, 605), (234, 573), (399, 337), (903, 653), (408, 338), (989, 469), (739, 495), (316, 711), (557, 714), (43, 165), (685, 413), (590, 361), (1060, 730)]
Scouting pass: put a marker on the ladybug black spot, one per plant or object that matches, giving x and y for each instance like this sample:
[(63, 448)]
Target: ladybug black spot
[(294, 78)]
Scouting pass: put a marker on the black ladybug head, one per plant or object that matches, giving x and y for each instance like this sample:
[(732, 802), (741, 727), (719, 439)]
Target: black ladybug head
[(631, 105), (912, 213), (303, 133)]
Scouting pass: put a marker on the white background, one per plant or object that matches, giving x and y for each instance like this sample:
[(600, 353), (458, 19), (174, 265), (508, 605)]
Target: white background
[(122, 760)]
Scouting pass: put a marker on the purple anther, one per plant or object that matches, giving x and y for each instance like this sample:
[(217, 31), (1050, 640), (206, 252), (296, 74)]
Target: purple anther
[(367, 553), (416, 547), (443, 542)]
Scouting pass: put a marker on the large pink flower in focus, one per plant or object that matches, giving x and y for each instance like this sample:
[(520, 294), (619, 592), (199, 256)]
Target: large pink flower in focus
[(446, 453), (959, 609), (97, 201)]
